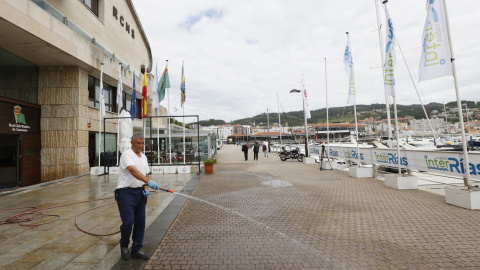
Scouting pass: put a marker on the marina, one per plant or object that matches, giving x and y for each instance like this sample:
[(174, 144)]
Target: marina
[(257, 214)]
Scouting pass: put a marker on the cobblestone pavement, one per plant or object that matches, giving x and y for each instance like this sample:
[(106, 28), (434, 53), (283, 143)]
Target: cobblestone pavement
[(270, 214)]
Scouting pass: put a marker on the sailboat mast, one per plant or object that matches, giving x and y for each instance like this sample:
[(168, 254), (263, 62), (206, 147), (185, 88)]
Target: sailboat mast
[(380, 38)]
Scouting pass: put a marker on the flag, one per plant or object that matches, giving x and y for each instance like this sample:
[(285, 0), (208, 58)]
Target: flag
[(182, 88), (133, 102), (435, 60), (156, 103), (102, 96), (119, 89), (144, 94), (163, 84), (305, 102), (390, 57), (348, 60)]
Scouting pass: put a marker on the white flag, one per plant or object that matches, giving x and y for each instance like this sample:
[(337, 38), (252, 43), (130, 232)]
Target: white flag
[(348, 60), (305, 101), (102, 97), (390, 57), (156, 102), (119, 89), (436, 58)]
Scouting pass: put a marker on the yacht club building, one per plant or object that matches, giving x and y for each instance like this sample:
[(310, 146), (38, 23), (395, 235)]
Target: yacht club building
[(51, 52)]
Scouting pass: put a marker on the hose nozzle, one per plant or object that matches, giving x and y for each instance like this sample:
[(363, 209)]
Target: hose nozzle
[(166, 190)]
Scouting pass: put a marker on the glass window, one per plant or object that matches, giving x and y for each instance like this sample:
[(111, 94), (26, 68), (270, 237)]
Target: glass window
[(91, 92), (109, 94), (18, 78), (126, 101), (92, 5), (126, 105)]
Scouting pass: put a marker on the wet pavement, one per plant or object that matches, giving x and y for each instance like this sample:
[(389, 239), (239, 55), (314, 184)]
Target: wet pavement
[(270, 214), (60, 245), (264, 214)]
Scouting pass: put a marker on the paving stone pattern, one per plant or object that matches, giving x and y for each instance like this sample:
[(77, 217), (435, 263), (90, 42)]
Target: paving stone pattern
[(270, 214), (60, 245)]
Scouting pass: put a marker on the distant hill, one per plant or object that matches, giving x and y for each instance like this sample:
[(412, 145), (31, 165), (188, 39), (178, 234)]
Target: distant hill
[(345, 114), (211, 122)]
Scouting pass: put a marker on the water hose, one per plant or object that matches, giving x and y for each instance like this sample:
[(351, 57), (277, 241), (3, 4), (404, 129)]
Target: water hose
[(34, 213)]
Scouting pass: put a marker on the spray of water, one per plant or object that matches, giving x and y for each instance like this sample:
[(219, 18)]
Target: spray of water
[(258, 223)]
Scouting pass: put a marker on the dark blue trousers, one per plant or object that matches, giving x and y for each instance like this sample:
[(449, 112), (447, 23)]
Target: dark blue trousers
[(245, 153), (131, 205)]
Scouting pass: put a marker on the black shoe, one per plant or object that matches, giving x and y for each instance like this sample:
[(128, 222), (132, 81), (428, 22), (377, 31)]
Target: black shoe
[(140, 255), (125, 253)]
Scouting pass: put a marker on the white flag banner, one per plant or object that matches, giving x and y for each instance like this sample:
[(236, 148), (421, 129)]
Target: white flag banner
[(102, 96), (305, 103), (390, 57), (348, 60), (156, 102), (436, 58), (119, 89)]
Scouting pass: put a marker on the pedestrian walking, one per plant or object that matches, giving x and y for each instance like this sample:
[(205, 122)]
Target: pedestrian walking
[(255, 148), (245, 150), (131, 196), (265, 148)]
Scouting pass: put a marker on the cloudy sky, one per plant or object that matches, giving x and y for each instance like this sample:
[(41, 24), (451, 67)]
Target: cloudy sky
[(240, 54)]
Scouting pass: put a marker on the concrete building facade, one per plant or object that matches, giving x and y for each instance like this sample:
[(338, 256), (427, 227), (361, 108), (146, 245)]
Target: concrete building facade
[(51, 54)]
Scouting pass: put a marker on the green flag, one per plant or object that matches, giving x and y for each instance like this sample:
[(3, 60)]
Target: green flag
[(163, 84)]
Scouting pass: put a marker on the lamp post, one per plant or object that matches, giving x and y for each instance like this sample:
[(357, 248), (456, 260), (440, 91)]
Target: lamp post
[(305, 119)]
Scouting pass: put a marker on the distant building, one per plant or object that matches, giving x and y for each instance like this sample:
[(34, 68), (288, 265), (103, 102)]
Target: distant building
[(421, 127)]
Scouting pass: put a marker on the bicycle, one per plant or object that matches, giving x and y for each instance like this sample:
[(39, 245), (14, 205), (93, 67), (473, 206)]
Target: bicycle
[(180, 158)]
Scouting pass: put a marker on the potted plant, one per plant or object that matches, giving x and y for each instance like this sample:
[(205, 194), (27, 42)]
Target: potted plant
[(208, 162)]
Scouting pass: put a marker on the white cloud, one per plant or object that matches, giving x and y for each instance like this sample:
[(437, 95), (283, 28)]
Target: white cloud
[(239, 54)]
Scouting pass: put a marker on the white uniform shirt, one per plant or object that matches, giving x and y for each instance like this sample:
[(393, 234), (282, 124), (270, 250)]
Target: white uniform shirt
[(265, 144), (126, 179)]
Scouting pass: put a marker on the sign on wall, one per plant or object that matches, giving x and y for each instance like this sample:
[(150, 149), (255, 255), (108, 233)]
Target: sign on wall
[(19, 119)]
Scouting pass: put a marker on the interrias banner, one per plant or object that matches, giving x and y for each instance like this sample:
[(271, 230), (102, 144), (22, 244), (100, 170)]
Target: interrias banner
[(437, 162), (436, 57), (390, 57), (348, 61)]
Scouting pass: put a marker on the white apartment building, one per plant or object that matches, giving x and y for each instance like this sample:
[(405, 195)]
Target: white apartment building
[(421, 127), (222, 131)]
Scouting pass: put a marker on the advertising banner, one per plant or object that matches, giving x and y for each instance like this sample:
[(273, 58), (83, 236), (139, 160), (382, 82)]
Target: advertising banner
[(440, 162)]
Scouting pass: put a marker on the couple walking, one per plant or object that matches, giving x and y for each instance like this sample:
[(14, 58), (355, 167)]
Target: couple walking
[(256, 149)]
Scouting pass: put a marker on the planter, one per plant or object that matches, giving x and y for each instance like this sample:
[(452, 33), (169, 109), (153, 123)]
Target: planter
[(208, 168)]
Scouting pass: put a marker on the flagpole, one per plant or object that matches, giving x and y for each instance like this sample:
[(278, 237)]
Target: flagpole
[(279, 123), (387, 103), (268, 130), (390, 84), (356, 122), (156, 114), (466, 180), (118, 113), (169, 129), (326, 99), (100, 115), (183, 118), (184, 152), (144, 107)]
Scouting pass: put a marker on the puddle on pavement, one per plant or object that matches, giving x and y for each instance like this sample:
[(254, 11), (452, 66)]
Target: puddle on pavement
[(277, 183)]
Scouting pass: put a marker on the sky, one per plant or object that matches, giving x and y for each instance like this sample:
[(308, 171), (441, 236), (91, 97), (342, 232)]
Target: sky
[(242, 57)]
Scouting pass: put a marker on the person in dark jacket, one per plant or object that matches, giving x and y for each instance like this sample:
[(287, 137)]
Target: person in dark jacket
[(255, 148), (245, 150)]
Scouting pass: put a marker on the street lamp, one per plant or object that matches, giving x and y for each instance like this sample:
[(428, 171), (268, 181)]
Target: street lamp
[(305, 119)]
